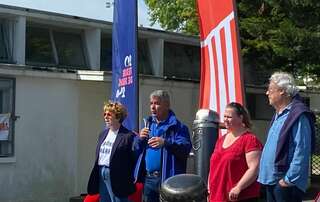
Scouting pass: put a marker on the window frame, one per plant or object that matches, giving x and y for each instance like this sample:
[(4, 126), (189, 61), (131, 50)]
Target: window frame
[(54, 50), (13, 118), (183, 50), (104, 50), (10, 25)]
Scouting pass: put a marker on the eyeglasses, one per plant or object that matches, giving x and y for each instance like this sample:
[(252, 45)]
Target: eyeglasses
[(107, 114), (272, 89)]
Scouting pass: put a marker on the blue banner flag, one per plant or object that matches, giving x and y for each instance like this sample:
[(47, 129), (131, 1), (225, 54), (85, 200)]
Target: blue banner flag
[(124, 59)]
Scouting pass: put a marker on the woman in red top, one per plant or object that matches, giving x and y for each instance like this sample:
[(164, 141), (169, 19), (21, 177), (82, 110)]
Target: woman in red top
[(234, 163)]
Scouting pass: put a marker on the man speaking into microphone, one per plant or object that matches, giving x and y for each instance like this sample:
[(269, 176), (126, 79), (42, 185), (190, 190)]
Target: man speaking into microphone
[(164, 145)]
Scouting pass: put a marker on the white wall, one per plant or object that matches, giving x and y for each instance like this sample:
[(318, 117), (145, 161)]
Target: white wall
[(56, 134), (44, 136), (55, 138), (91, 98)]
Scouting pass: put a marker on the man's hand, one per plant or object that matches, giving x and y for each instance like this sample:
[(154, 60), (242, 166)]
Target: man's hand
[(282, 183), (156, 142), (144, 133)]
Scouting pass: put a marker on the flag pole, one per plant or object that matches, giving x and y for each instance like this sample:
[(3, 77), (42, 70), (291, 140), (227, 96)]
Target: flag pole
[(239, 52), (137, 67)]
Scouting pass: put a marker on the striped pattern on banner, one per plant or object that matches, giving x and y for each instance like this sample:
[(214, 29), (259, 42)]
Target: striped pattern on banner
[(221, 81)]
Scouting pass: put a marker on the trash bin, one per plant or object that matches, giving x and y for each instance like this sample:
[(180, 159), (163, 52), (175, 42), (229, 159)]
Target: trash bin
[(204, 137), (183, 188)]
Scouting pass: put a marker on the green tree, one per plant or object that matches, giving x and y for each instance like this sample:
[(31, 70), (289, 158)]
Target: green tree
[(275, 34), (174, 15)]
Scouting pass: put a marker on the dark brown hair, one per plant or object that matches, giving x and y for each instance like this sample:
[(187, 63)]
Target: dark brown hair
[(241, 111)]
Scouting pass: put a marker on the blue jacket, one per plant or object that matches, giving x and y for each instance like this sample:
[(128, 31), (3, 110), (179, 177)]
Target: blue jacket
[(174, 153), (297, 109), (287, 150)]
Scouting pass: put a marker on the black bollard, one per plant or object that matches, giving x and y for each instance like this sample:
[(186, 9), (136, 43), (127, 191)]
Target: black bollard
[(204, 137), (183, 188)]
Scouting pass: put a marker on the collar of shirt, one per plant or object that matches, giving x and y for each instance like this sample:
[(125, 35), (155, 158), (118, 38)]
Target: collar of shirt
[(114, 131), (284, 111), (169, 121)]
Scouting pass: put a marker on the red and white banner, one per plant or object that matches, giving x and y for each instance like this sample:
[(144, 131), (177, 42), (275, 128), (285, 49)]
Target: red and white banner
[(221, 81)]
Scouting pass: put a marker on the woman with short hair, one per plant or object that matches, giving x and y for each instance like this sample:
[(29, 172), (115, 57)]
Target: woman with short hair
[(112, 175)]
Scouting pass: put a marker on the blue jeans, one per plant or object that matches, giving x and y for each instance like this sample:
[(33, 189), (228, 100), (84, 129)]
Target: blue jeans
[(276, 193), (105, 189), (151, 189)]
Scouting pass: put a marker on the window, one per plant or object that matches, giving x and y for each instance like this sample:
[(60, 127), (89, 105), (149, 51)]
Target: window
[(6, 41), (144, 57), (39, 47), (106, 53), (7, 117), (181, 61), (48, 47), (69, 49)]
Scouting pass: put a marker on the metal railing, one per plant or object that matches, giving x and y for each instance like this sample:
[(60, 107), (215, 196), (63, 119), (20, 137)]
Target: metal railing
[(315, 158)]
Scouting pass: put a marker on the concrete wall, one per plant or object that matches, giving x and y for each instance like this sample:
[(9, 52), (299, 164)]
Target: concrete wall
[(55, 138), (45, 147), (91, 98), (56, 134)]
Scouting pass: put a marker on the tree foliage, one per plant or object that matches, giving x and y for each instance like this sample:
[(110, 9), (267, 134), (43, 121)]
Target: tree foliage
[(174, 15), (275, 34)]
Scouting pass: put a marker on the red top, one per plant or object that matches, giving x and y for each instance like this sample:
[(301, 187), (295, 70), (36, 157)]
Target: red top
[(228, 165)]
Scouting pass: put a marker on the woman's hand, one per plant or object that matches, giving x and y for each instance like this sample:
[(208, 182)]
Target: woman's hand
[(234, 193), (249, 177)]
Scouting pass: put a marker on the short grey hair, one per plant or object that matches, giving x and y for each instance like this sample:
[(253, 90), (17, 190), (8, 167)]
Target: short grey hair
[(163, 95), (286, 82)]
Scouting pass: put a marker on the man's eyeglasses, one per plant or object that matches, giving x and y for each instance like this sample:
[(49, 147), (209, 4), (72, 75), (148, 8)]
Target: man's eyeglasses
[(272, 89)]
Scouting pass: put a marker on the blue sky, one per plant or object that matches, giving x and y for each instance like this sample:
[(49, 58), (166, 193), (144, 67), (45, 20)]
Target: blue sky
[(95, 9)]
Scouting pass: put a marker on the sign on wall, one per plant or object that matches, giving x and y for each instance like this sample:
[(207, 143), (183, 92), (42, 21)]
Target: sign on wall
[(4, 126)]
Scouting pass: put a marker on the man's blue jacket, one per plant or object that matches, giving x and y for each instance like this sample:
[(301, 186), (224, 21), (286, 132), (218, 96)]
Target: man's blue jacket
[(174, 153)]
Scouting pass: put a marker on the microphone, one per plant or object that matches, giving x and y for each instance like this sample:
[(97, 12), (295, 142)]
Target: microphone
[(146, 123)]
